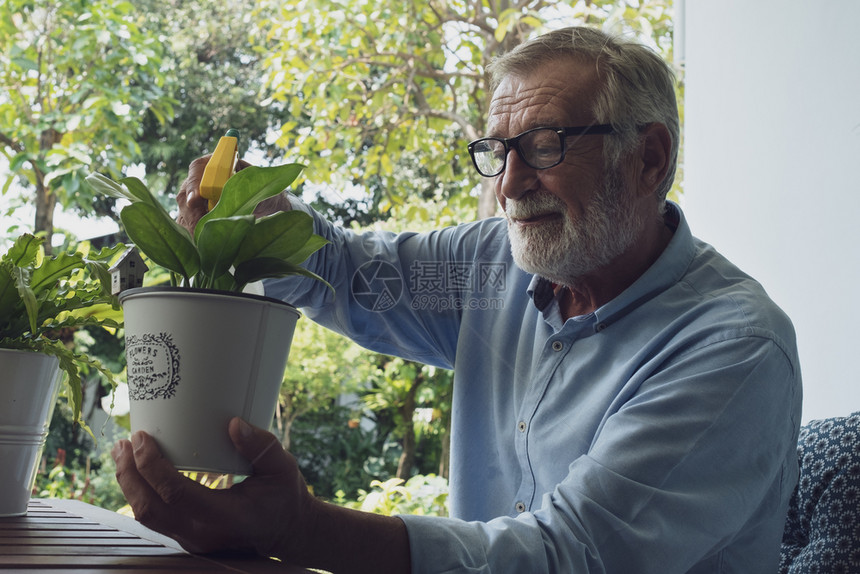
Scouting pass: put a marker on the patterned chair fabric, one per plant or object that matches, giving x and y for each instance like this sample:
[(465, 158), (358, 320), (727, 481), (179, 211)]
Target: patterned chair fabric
[(822, 531)]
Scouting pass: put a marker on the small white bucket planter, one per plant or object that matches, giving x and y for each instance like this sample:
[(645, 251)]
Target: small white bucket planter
[(198, 358), (29, 383)]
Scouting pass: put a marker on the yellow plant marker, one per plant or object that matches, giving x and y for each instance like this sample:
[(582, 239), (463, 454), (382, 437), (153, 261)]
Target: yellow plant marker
[(220, 167)]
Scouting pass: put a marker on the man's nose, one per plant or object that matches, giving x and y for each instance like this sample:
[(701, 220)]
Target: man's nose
[(518, 179)]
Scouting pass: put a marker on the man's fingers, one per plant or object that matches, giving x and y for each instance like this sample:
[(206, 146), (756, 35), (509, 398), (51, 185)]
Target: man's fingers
[(157, 470), (276, 489), (192, 206), (190, 189), (133, 485), (191, 185), (173, 488), (260, 512), (260, 447), (163, 499), (146, 503)]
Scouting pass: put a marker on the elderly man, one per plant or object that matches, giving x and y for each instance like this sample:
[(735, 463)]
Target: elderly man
[(625, 399)]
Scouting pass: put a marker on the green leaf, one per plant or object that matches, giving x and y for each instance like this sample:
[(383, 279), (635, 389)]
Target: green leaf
[(10, 300), (219, 243), (165, 242), (224, 283), (106, 186), (248, 187), (100, 271), (137, 189), (279, 236), (23, 252), (26, 64), (311, 246), (15, 291), (53, 269), (128, 188), (106, 253), (85, 321), (27, 295), (16, 162), (270, 268)]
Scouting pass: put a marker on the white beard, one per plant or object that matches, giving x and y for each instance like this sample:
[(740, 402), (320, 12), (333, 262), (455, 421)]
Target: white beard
[(565, 250)]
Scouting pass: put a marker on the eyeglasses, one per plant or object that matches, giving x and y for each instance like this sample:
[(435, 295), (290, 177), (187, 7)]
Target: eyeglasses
[(539, 148)]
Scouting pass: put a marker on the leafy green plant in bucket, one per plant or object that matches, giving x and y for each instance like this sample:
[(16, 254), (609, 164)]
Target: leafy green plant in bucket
[(42, 297), (230, 247)]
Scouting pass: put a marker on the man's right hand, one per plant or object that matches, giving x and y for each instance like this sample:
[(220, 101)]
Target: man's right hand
[(192, 206)]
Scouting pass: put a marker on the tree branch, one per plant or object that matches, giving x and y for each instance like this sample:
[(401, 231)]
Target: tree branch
[(9, 142), (425, 110)]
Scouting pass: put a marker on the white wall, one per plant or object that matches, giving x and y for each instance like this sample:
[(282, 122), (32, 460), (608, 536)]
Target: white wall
[(772, 172)]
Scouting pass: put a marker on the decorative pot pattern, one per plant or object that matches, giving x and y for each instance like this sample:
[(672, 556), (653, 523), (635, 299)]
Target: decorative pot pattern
[(153, 361)]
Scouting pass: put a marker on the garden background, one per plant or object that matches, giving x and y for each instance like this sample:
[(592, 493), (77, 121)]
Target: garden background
[(378, 99)]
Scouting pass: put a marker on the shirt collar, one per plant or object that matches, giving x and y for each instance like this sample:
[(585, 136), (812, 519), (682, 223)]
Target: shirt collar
[(666, 271)]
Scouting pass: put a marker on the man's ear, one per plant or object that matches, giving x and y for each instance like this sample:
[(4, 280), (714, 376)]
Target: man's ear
[(655, 152)]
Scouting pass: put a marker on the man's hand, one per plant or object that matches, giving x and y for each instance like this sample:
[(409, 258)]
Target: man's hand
[(266, 513), (271, 512), (192, 206)]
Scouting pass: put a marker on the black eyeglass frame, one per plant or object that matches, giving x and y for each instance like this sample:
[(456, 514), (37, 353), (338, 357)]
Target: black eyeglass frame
[(514, 143)]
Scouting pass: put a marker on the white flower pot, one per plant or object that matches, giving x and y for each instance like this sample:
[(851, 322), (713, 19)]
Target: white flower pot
[(29, 383), (198, 358)]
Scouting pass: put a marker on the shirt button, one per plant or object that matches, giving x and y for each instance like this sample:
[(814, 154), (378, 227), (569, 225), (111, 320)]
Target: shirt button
[(520, 507), (521, 426), (599, 327), (557, 345)]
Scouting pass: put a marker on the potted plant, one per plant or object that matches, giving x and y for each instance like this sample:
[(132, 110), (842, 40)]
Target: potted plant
[(201, 350), (42, 297)]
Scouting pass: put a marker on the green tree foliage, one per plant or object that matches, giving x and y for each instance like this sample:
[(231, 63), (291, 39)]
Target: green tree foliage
[(400, 388), (78, 77), (424, 495), (329, 378), (213, 71), (322, 367), (337, 455), (367, 81)]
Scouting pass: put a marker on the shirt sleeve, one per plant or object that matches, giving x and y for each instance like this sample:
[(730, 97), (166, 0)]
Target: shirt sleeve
[(374, 278), (699, 458)]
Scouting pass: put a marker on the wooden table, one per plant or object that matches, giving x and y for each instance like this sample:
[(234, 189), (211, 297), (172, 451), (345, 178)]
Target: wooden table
[(76, 538)]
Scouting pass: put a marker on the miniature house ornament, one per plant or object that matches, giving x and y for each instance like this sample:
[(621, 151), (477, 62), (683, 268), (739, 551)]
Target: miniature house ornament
[(127, 272)]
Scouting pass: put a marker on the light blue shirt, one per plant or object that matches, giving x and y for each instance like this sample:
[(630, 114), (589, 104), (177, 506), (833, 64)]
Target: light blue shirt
[(655, 435)]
